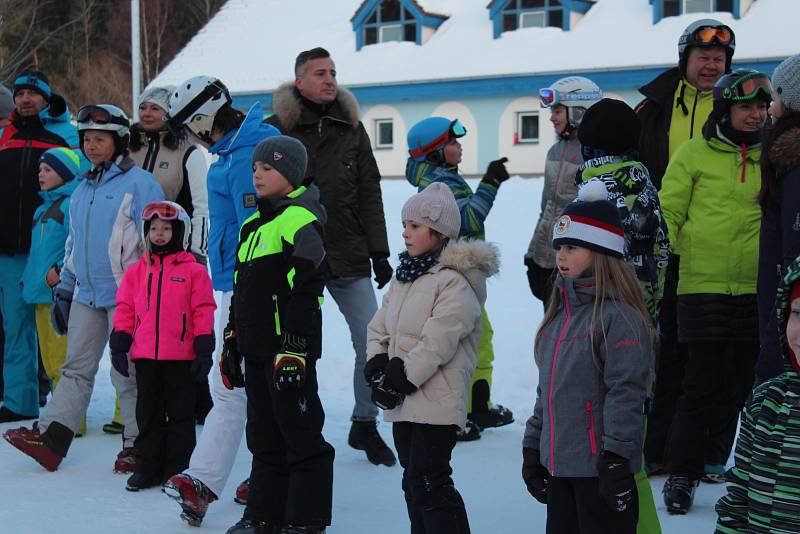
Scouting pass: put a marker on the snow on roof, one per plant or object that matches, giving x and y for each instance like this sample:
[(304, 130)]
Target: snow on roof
[(251, 44)]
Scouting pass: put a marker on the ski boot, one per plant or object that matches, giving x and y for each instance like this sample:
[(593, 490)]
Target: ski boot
[(30, 442), (242, 491), (125, 462), (250, 526), (679, 494), (193, 496)]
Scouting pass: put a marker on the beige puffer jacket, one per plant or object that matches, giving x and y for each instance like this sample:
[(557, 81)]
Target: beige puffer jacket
[(434, 324)]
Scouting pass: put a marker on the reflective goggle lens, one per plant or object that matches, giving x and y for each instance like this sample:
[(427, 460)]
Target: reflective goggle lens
[(94, 114), (749, 88), (165, 212), (547, 97), (709, 34), (457, 129)]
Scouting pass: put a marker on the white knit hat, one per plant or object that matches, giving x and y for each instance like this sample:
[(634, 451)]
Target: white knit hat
[(158, 96), (786, 82), (434, 207)]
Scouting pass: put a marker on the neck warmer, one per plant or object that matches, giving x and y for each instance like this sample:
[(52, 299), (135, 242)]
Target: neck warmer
[(412, 268)]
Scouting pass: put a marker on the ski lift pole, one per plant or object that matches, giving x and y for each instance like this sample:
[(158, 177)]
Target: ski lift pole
[(136, 61)]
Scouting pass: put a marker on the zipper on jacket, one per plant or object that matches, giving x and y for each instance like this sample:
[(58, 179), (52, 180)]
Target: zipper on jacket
[(183, 329), (22, 173), (277, 315), (86, 239), (694, 108), (149, 288), (744, 161), (158, 301), (552, 380), (592, 438), (152, 151)]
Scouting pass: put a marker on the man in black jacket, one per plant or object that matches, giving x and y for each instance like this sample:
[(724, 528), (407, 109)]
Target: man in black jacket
[(325, 118), (676, 106)]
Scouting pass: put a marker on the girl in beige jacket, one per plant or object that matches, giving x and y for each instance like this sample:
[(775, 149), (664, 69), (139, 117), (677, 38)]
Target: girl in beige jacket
[(422, 349)]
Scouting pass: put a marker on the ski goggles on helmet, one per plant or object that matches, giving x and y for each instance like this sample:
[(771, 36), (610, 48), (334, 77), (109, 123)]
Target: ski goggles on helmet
[(166, 211), (99, 115), (713, 35), (455, 131), (749, 87), (551, 97)]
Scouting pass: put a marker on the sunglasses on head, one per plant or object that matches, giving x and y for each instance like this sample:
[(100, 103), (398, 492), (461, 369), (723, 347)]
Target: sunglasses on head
[(161, 210)]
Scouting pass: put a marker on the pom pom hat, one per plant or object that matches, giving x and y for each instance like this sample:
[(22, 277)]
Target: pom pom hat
[(592, 222)]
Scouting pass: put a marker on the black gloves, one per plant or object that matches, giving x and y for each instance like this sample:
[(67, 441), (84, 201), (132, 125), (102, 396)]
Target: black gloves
[(616, 481), (230, 363), (203, 349), (383, 271), (59, 310), (496, 173), (375, 367), (388, 381), (289, 369), (395, 377), (120, 343), (534, 474)]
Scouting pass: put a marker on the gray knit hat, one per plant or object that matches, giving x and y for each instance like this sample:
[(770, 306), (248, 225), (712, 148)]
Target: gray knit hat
[(6, 102), (286, 155), (434, 207), (158, 96), (786, 82)]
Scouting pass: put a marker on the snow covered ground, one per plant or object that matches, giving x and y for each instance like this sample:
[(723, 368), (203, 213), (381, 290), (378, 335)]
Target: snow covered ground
[(84, 496)]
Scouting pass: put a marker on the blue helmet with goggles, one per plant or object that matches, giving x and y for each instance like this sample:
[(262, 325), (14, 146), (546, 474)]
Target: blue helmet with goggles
[(430, 136)]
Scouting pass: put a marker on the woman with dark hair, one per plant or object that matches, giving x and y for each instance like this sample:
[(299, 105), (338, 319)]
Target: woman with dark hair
[(780, 208), (180, 166)]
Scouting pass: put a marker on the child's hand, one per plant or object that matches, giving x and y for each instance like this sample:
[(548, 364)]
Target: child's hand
[(203, 349), (230, 363), (534, 474), (53, 277), (120, 343), (375, 367), (289, 371), (496, 172), (616, 481), (396, 378)]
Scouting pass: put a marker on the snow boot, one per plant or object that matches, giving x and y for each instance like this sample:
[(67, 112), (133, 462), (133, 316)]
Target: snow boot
[(113, 428), (470, 432), (242, 491), (30, 442), (140, 481), (250, 526), (289, 529), (364, 436), (193, 496), (126, 461), (8, 416), (484, 414), (679, 493)]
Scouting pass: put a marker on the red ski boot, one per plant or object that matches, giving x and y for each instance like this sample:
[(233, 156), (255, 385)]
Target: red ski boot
[(193, 496), (29, 441), (126, 461), (242, 491)]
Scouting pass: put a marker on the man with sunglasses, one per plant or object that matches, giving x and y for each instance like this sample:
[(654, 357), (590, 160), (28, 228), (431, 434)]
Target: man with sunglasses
[(676, 106), (38, 122), (324, 117)]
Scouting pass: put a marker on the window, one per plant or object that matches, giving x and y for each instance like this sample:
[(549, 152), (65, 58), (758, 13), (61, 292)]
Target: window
[(384, 133), (527, 127), (390, 21), (678, 7), (532, 14)]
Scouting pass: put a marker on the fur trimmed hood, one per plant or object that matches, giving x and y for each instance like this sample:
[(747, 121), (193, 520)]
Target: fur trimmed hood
[(288, 106), (785, 151), (475, 260)]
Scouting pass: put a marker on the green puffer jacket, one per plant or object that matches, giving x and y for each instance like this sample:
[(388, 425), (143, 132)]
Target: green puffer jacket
[(708, 196)]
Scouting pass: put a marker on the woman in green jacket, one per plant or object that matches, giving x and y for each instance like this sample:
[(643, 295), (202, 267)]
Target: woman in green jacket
[(709, 201)]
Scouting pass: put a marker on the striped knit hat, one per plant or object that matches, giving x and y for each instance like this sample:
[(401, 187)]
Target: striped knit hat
[(592, 222), (62, 160)]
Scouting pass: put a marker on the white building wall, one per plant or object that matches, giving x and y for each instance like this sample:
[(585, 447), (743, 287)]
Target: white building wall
[(391, 161), (524, 158)]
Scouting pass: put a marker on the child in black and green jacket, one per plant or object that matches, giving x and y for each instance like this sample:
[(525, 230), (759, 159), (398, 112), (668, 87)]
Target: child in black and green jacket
[(764, 484), (275, 326)]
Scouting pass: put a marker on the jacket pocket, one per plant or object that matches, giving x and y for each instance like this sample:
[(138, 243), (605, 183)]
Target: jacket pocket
[(589, 409), (183, 326)]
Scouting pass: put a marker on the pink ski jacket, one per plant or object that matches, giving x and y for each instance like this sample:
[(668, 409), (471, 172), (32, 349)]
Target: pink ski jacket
[(164, 302)]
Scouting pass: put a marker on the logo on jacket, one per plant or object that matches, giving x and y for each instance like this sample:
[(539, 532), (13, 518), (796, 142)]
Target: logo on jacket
[(176, 279), (562, 224), (277, 156), (163, 165), (249, 200), (796, 225)]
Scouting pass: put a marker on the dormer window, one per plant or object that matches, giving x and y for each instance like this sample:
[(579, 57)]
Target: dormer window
[(532, 14), (680, 7), (390, 21)]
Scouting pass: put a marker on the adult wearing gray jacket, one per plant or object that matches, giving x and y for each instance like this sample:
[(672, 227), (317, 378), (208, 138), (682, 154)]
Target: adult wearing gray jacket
[(568, 99)]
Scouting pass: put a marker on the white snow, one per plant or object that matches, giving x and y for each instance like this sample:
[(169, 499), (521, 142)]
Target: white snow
[(84, 496), (252, 44)]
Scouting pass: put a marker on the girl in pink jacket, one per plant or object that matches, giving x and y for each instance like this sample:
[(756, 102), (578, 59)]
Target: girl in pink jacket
[(165, 320)]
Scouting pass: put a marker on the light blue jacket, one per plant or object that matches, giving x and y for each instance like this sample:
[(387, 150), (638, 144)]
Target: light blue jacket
[(50, 230), (231, 196), (105, 235)]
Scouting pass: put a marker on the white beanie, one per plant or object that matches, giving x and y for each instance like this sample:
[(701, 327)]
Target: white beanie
[(786, 82), (434, 207), (158, 96)]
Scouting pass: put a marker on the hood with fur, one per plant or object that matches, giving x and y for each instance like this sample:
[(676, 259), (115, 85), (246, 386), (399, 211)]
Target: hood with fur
[(785, 151), (288, 106), (475, 260)]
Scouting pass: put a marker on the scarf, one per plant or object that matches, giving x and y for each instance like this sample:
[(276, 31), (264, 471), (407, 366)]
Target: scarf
[(412, 268)]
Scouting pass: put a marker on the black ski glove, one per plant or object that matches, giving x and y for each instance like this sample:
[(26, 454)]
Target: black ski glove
[(120, 343), (59, 310), (383, 271), (534, 474), (396, 378), (230, 363), (616, 481), (203, 350), (496, 172), (289, 370), (375, 367)]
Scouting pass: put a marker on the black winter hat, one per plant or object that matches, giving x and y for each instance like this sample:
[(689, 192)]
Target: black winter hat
[(610, 127), (591, 221)]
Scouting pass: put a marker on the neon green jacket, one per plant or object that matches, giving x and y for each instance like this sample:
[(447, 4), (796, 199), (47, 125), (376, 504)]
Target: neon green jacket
[(708, 196)]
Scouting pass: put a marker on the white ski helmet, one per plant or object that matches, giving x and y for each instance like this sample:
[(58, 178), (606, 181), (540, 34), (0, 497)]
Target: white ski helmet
[(575, 93), (107, 118), (195, 103), (167, 211)]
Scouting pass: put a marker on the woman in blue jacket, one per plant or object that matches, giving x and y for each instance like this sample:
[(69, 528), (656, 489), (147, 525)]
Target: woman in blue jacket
[(104, 240)]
